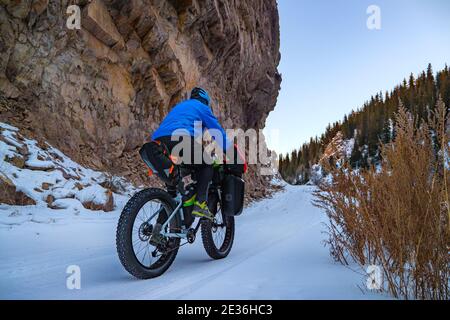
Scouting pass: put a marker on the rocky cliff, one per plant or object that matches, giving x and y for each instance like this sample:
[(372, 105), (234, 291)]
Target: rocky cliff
[(96, 93)]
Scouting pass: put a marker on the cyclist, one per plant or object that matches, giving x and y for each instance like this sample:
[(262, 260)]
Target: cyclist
[(184, 117)]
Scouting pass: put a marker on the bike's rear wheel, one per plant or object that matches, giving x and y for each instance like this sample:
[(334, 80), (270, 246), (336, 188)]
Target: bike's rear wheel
[(140, 258), (217, 236)]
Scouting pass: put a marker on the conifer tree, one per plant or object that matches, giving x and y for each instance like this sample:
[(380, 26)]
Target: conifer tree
[(373, 123)]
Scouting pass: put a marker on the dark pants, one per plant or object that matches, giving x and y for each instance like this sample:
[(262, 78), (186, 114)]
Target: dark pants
[(203, 171)]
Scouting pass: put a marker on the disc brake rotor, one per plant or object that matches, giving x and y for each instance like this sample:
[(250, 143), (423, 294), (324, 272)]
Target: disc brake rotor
[(145, 231)]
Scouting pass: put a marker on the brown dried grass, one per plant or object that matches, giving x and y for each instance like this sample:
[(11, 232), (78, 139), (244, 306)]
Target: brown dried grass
[(397, 216)]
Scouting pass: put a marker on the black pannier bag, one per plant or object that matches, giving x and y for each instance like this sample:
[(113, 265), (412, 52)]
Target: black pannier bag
[(236, 169), (157, 157), (233, 188)]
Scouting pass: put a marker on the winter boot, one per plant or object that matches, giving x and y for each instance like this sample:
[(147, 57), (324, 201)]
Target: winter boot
[(201, 210)]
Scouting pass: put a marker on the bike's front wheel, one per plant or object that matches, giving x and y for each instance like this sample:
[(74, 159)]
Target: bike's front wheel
[(217, 236), (137, 254)]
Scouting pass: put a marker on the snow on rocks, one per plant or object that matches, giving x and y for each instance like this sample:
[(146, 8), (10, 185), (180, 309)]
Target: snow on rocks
[(8, 127), (10, 195), (36, 164), (36, 174), (339, 148), (96, 197)]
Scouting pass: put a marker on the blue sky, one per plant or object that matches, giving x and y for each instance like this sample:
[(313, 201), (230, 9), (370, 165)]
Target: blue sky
[(332, 63)]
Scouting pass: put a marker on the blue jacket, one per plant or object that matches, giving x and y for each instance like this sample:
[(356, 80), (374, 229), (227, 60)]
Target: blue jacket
[(184, 115)]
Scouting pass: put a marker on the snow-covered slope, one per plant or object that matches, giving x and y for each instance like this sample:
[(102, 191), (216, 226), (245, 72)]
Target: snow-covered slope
[(278, 254), (53, 182)]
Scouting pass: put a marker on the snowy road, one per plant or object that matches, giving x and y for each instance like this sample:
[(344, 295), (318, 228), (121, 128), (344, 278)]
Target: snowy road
[(277, 254)]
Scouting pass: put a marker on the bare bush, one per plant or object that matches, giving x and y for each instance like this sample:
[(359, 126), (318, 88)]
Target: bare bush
[(396, 215)]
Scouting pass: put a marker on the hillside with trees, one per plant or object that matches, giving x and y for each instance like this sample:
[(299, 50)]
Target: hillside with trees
[(373, 123)]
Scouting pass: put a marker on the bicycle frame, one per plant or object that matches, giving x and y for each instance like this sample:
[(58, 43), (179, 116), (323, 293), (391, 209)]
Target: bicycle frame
[(182, 235), (178, 210)]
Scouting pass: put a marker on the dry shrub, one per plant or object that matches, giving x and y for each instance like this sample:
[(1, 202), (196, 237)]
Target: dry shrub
[(397, 215)]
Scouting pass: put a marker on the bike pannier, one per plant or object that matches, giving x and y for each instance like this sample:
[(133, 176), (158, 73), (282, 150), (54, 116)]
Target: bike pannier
[(232, 195)]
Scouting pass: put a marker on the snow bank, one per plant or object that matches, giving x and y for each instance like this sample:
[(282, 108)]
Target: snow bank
[(53, 180), (96, 197)]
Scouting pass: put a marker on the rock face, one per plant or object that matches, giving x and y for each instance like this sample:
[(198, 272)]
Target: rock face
[(97, 93), (338, 149)]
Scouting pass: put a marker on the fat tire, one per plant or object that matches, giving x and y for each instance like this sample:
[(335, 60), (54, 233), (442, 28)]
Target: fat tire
[(124, 237), (207, 233)]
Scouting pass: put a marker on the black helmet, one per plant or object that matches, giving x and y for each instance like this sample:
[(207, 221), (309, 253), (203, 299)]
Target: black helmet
[(200, 95)]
